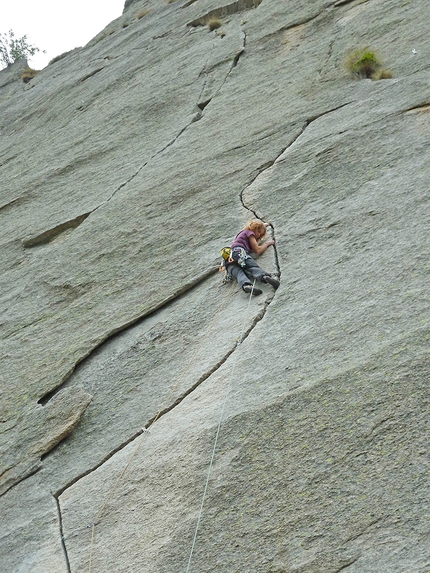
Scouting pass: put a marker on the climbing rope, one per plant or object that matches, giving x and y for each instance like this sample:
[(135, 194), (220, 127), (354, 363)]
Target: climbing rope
[(145, 431), (229, 385)]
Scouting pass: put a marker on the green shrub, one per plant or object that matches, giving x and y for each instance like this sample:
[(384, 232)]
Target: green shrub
[(363, 63)]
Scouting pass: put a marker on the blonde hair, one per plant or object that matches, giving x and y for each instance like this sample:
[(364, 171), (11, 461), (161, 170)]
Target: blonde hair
[(256, 225)]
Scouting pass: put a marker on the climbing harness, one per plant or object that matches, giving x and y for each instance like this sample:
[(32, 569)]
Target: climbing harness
[(238, 255), (232, 255)]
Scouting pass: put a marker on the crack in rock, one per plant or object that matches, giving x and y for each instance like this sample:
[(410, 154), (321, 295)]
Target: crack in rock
[(258, 317), (48, 427), (347, 564), (234, 62), (51, 234), (298, 24), (422, 108), (30, 469), (121, 328), (260, 172), (205, 376), (169, 144), (91, 74), (9, 203), (202, 104), (340, 3), (62, 539), (307, 123), (362, 531), (227, 10)]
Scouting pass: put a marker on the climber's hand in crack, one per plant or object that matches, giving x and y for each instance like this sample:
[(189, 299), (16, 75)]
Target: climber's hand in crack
[(241, 265)]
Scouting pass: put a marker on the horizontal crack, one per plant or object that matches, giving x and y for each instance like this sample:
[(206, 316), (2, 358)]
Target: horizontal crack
[(340, 3), (227, 10)]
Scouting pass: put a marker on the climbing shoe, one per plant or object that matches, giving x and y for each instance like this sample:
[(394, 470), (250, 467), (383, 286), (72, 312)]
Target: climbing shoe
[(271, 281), (255, 291)]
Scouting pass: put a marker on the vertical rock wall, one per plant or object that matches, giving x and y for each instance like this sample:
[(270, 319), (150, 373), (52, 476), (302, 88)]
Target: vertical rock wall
[(125, 166)]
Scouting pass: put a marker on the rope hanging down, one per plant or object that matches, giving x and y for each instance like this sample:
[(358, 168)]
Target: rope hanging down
[(100, 512), (229, 385)]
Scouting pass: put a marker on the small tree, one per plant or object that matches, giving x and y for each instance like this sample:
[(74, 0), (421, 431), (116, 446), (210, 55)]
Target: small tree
[(13, 49)]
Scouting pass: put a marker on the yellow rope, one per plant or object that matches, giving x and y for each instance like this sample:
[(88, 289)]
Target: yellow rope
[(100, 512)]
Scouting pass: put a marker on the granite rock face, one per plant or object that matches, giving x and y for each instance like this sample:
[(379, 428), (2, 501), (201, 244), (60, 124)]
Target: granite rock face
[(125, 167)]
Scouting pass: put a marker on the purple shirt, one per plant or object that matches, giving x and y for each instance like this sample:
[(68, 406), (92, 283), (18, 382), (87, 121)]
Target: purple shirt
[(242, 240)]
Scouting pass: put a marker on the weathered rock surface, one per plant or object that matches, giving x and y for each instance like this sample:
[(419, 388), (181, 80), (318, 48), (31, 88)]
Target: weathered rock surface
[(125, 166), (39, 431)]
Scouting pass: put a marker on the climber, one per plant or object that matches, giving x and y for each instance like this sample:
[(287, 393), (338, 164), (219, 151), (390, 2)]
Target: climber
[(241, 265)]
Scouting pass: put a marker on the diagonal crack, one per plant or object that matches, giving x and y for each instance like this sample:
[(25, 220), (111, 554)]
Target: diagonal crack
[(202, 105), (9, 203), (347, 564), (420, 108), (121, 328), (183, 291), (280, 157), (151, 421), (306, 124), (362, 531), (257, 318), (51, 234), (139, 169), (177, 401), (196, 117)]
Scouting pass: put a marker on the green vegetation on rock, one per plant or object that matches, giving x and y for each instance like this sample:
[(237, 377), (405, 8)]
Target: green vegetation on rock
[(364, 63)]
